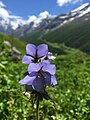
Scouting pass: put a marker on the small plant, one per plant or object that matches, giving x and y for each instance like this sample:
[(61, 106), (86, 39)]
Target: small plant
[(40, 72)]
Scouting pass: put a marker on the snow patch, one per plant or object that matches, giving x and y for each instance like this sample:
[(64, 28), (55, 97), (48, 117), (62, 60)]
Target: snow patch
[(64, 22), (63, 17), (71, 19), (81, 7), (85, 12)]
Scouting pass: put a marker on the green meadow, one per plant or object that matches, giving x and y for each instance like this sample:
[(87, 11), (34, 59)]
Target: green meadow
[(70, 98)]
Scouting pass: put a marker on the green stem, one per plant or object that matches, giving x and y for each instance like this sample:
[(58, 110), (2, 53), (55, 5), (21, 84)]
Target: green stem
[(37, 108)]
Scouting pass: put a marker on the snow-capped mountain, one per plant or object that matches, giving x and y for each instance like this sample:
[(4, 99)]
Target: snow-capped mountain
[(13, 24), (82, 12)]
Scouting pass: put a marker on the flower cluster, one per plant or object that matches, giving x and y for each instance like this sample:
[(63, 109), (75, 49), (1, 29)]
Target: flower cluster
[(40, 72)]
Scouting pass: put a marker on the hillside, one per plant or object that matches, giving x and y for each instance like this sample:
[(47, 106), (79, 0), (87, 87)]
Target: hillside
[(15, 42), (71, 29), (71, 96), (76, 35), (20, 44)]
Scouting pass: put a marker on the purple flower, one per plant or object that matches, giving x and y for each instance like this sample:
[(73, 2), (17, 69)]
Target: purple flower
[(39, 76), (35, 53)]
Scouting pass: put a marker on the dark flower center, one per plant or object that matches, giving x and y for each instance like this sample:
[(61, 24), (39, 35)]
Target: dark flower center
[(41, 74)]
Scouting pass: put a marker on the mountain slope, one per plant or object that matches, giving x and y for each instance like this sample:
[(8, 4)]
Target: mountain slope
[(14, 25), (73, 34), (20, 45), (72, 29), (49, 24)]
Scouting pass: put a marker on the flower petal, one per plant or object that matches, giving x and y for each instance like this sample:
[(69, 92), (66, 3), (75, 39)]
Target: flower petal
[(47, 78), (53, 80), (33, 68), (31, 50), (39, 85), (27, 80), (49, 68), (46, 61), (27, 59), (42, 50)]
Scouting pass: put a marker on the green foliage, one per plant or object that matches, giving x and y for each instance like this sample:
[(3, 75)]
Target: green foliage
[(75, 34), (70, 97), (15, 42)]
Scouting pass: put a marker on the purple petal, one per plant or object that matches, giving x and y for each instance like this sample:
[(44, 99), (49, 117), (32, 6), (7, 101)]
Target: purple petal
[(46, 61), (39, 85), (27, 59), (47, 78), (53, 80), (42, 50), (49, 68), (33, 68), (31, 50), (27, 80)]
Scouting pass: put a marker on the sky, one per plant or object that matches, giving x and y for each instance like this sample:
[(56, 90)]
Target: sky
[(26, 8), (22, 11)]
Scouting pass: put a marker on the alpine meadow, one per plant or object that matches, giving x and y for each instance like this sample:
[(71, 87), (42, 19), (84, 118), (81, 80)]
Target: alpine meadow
[(55, 55)]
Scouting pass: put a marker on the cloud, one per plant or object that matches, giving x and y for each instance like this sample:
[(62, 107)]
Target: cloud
[(18, 20), (31, 18), (44, 15), (2, 4), (9, 18), (3, 11), (65, 2), (41, 16), (37, 19)]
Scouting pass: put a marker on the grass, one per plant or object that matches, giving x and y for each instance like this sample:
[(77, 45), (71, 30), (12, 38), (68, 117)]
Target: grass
[(70, 97)]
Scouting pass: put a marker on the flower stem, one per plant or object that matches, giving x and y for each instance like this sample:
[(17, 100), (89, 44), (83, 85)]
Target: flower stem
[(37, 108)]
